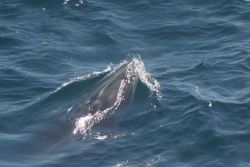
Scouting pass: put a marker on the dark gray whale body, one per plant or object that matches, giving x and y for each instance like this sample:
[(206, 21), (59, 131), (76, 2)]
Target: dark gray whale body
[(105, 95), (113, 92)]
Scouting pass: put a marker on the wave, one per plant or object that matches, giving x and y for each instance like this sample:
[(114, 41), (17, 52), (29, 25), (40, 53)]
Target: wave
[(8, 41)]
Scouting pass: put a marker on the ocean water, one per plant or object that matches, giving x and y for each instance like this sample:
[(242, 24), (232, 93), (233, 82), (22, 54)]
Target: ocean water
[(191, 108)]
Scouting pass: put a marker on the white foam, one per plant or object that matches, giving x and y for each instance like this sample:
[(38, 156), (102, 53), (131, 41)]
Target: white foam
[(101, 137), (121, 164), (70, 108), (146, 78), (65, 2), (83, 123), (210, 104), (147, 163), (80, 2)]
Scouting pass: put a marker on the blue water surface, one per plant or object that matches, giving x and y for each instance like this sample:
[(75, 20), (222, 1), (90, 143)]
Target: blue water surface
[(199, 52)]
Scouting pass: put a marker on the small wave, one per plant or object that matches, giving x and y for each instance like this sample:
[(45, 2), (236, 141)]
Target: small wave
[(135, 69), (99, 136), (76, 3), (81, 78), (147, 163), (8, 41)]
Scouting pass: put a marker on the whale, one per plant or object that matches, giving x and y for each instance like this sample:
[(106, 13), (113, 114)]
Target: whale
[(94, 99), (113, 93)]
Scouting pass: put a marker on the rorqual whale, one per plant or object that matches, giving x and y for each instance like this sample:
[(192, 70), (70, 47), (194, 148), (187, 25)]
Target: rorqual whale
[(103, 95), (114, 92)]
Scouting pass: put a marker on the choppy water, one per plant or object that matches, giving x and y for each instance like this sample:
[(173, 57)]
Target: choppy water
[(52, 52)]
